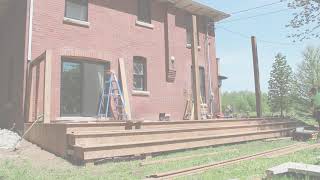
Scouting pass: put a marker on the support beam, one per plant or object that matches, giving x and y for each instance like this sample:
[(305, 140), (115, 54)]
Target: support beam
[(29, 95), (47, 87), (123, 78), (195, 69), (256, 75), (219, 86)]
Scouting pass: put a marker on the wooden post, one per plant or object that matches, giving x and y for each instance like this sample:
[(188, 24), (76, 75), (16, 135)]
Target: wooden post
[(123, 78), (47, 87), (29, 95), (219, 90), (256, 76), (195, 69)]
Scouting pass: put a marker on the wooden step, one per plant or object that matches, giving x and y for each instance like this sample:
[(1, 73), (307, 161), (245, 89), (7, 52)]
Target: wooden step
[(98, 137), (99, 151), (209, 123), (170, 124), (96, 126)]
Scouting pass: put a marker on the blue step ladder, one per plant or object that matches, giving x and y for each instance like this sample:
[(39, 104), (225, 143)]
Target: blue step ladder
[(112, 99)]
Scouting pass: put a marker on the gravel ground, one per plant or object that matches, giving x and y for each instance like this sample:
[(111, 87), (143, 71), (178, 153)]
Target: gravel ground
[(8, 139)]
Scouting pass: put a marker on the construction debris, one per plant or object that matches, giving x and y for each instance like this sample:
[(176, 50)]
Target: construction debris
[(304, 135), (203, 168), (294, 168), (278, 139), (8, 139), (183, 158)]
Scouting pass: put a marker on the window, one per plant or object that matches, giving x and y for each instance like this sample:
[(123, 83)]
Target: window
[(77, 9), (144, 11), (139, 73), (188, 20), (202, 84)]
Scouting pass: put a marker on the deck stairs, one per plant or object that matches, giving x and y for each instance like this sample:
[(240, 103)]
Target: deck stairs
[(92, 142)]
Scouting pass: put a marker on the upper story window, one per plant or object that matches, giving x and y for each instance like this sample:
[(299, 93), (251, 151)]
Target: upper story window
[(188, 20), (144, 11), (77, 9), (139, 73)]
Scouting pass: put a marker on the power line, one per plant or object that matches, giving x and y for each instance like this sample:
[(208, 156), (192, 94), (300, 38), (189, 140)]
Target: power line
[(258, 7), (258, 15), (261, 40)]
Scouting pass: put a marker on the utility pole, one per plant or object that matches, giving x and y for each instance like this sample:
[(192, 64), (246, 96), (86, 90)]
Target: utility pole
[(195, 69), (256, 75)]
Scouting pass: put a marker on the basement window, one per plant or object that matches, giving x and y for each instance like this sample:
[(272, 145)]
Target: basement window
[(139, 73), (144, 11), (77, 9)]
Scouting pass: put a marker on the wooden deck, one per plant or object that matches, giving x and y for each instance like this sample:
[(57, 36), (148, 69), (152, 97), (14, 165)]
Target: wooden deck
[(82, 142)]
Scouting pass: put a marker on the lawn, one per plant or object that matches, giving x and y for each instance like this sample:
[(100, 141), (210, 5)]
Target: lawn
[(25, 169)]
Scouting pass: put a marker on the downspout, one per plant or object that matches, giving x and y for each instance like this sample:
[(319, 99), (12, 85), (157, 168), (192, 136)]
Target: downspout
[(29, 57), (211, 106), (30, 30)]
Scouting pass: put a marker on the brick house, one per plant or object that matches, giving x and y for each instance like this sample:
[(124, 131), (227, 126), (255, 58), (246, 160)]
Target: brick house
[(83, 38)]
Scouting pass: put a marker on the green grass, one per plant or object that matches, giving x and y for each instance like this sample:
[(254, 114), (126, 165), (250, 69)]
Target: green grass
[(17, 169)]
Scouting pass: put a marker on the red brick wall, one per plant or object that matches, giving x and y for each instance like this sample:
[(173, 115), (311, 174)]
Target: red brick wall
[(113, 34)]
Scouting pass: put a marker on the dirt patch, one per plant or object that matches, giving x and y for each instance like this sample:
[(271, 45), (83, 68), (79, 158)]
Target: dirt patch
[(27, 151)]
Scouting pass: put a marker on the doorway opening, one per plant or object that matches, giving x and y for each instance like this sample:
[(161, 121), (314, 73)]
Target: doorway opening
[(81, 86)]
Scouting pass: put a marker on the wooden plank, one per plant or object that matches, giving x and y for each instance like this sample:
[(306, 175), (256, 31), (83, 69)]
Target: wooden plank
[(38, 59), (47, 87), (256, 76), (155, 146), (293, 150), (195, 69), (203, 168), (29, 95), (183, 158), (125, 92), (219, 90)]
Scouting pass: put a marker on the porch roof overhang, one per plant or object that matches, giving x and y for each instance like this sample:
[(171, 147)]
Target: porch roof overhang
[(197, 8)]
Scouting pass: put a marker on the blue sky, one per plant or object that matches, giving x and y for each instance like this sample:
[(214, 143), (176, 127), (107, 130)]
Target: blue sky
[(235, 50)]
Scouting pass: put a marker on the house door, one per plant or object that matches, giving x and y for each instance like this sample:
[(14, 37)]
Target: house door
[(81, 86)]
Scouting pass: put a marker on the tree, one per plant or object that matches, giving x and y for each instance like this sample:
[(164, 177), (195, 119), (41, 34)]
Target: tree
[(280, 85), (306, 77), (243, 101), (307, 20)]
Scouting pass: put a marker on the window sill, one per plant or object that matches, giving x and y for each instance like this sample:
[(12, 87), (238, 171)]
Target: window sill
[(140, 93), (144, 24), (76, 22), (189, 46)]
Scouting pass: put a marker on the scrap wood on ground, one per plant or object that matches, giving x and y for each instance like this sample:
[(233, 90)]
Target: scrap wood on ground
[(38, 164), (183, 158), (203, 168)]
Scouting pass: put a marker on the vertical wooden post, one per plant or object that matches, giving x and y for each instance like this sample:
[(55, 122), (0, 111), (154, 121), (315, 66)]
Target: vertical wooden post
[(195, 69), (29, 94), (256, 75), (47, 87), (219, 90), (123, 78)]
